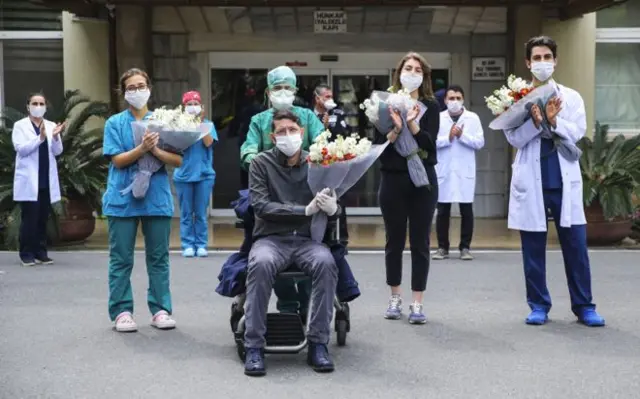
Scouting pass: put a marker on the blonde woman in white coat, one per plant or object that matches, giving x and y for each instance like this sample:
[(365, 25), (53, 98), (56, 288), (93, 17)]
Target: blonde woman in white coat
[(35, 185)]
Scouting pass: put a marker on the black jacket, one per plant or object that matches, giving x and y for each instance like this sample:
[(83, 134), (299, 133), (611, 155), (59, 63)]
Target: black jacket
[(337, 124), (391, 161)]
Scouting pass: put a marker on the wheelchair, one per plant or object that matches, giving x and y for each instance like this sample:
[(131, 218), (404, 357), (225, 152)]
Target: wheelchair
[(286, 332)]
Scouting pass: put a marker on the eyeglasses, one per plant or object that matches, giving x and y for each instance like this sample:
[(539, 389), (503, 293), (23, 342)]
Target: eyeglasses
[(133, 89)]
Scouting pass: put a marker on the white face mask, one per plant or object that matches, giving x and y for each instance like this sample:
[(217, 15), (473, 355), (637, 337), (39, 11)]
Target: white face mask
[(454, 106), (193, 109), (138, 98), (282, 99), (289, 144), (329, 104), (410, 81), (542, 70), (37, 111)]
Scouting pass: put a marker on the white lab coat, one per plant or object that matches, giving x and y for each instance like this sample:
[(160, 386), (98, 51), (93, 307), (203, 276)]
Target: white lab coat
[(456, 167), (26, 144), (526, 204)]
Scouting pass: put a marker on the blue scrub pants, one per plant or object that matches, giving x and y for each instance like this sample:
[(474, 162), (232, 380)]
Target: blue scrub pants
[(573, 241), (194, 201), (122, 242)]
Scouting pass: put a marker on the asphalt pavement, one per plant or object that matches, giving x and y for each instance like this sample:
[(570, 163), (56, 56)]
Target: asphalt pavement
[(56, 340)]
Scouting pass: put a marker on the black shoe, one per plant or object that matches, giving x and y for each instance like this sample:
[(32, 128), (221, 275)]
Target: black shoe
[(318, 358), (44, 260), (27, 262), (254, 362)]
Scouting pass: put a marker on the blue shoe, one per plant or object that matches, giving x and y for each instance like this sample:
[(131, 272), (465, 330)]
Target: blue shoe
[(318, 358), (254, 362), (416, 315), (188, 253), (202, 253), (394, 311), (537, 318), (590, 318)]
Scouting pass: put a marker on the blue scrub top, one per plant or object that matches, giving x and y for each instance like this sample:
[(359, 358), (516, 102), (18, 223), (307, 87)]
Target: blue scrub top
[(43, 158), (118, 139), (197, 162), (550, 165)]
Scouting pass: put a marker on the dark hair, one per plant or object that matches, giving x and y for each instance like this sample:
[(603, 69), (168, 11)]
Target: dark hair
[(284, 114), (36, 94), (454, 88), (320, 87), (130, 73), (425, 91), (540, 41)]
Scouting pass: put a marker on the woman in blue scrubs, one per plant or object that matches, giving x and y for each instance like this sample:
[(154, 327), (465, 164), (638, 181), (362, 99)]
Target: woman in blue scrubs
[(125, 213), (194, 183)]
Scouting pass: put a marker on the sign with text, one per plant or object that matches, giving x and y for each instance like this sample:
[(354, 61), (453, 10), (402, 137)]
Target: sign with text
[(489, 68), (330, 21)]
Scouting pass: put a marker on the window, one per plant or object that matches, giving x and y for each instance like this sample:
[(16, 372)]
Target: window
[(623, 15), (30, 54), (618, 68)]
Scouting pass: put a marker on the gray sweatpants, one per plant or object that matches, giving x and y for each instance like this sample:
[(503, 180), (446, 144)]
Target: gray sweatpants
[(273, 254)]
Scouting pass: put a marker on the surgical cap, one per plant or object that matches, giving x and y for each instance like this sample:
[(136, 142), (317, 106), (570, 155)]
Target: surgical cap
[(281, 75)]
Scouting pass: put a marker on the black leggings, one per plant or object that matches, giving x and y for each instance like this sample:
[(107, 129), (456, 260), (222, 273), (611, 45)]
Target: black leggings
[(400, 201)]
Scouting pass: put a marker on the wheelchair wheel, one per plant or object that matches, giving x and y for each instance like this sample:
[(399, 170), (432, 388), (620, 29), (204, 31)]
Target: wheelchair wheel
[(236, 315), (242, 353), (341, 332)]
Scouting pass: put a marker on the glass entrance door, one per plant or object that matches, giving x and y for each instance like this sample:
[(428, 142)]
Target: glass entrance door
[(350, 89), (238, 84), (307, 80)]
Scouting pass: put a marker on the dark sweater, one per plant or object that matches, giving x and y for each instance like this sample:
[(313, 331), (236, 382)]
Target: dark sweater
[(391, 161)]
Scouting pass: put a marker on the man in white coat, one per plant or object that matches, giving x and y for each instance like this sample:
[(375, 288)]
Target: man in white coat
[(546, 177), (459, 137)]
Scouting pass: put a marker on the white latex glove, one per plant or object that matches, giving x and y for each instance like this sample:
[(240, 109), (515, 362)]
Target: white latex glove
[(313, 207), (328, 203)]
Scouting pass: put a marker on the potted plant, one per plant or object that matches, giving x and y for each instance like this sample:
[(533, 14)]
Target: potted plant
[(611, 178), (82, 172), (82, 169)]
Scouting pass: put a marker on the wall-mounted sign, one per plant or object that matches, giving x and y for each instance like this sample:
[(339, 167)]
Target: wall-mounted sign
[(330, 21), (488, 68), (295, 63)]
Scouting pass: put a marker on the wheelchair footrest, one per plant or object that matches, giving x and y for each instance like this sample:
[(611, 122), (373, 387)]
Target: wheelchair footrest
[(284, 329)]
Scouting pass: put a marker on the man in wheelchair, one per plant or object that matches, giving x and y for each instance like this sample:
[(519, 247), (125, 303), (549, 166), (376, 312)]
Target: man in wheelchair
[(283, 205)]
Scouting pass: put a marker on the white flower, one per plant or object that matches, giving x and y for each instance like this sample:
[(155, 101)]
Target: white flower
[(517, 84), (342, 149), (175, 119)]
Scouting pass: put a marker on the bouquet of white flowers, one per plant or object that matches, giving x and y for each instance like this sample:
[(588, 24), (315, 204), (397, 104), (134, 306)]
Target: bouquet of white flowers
[(177, 130), (376, 108), (337, 166), (509, 103)]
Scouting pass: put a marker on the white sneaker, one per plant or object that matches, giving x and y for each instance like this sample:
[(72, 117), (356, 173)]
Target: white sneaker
[(202, 253), (163, 321), (124, 323)]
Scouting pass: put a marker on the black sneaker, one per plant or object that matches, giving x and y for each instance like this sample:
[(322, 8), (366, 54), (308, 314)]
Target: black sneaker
[(44, 260), (27, 262)]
